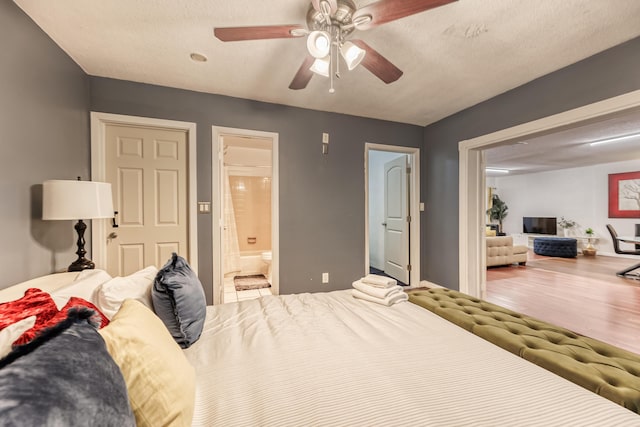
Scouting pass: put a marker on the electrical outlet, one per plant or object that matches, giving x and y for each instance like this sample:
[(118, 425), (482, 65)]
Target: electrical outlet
[(325, 277)]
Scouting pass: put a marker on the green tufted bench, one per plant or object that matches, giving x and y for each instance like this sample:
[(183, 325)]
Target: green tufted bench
[(609, 371)]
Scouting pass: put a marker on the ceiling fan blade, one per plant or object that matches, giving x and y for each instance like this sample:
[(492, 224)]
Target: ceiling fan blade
[(231, 34), (378, 64), (384, 11), (304, 74), (333, 5)]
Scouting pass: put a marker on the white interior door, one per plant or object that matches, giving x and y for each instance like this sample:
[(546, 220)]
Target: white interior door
[(396, 208), (147, 169)]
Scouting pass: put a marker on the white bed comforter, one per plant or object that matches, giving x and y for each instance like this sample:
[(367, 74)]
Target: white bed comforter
[(329, 359)]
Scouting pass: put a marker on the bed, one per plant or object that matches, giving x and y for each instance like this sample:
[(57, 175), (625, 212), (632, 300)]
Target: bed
[(328, 359)]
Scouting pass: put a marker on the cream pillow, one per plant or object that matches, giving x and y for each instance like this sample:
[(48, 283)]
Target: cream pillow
[(160, 381), (110, 296)]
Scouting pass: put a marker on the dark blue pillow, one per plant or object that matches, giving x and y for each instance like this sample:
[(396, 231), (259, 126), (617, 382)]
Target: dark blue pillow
[(64, 377), (178, 299)]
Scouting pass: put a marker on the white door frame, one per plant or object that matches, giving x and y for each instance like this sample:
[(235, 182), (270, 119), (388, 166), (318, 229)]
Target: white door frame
[(414, 206), (99, 122), (217, 183), (472, 207)]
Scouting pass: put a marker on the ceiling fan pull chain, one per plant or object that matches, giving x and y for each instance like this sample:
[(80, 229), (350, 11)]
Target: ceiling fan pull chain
[(336, 50), (332, 66)]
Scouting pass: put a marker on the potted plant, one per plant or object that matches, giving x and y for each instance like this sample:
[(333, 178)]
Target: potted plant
[(589, 250), (498, 212), (566, 224)]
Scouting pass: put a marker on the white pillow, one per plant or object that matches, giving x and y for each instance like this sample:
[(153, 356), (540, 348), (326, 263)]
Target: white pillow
[(12, 332), (111, 295), (83, 287)]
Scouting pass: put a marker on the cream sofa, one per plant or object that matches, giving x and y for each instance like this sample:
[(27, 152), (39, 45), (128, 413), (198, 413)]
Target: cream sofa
[(501, 251)]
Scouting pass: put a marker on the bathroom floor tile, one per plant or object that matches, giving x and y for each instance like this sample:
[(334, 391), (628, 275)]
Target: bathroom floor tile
[(250, 294)]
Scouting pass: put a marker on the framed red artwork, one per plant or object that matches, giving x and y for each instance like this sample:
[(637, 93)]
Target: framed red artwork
[(624, 195)]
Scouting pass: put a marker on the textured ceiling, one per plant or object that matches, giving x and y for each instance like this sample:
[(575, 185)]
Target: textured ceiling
[(453, 57), (570, 148)]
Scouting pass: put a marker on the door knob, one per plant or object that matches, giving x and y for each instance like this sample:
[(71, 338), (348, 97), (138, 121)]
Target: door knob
[(112, 236), (384, 224)]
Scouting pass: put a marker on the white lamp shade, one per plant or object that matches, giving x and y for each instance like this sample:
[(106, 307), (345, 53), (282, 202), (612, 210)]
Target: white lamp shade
[(76, 200), (352, 54), (319, 44), (321, 66)]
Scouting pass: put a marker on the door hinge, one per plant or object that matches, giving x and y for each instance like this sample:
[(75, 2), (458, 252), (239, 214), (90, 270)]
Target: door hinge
[(408, 170), (408, 218), (408, 267)]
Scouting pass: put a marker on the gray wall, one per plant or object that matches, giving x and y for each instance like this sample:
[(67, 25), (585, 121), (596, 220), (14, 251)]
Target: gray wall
[(44, 134), (608, 74), (322, 208)]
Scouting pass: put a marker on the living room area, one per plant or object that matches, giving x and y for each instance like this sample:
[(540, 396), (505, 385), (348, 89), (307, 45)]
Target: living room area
[(567, 203)]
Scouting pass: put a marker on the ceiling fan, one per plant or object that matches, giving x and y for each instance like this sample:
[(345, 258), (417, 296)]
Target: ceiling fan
[(330, 26)]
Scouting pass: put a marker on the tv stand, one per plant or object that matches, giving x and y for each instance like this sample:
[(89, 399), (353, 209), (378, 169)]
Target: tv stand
[(583, 241)]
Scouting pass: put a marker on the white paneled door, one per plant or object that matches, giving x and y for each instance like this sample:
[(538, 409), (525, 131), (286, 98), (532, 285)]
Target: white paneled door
[(396, 220), (147, 168)]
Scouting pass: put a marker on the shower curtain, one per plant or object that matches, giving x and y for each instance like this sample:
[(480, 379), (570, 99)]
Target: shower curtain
[(231, 261)]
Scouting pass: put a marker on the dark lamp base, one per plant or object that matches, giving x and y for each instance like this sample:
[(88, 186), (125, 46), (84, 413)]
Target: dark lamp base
[(81, 264)]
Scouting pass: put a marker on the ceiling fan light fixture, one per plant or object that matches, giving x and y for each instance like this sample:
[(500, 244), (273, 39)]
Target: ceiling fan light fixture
[(319, 44), (352, 54), (321, 66)]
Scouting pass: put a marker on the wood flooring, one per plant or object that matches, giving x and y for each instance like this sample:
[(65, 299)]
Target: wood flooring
[(582, 294)]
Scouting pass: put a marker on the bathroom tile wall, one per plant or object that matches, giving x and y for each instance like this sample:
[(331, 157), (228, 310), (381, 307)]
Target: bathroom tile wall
[(251, 197)]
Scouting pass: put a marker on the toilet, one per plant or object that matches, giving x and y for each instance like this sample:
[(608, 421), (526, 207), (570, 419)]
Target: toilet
[(266, 258)]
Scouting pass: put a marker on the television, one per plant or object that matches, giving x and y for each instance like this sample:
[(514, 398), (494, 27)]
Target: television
[(540, 225)]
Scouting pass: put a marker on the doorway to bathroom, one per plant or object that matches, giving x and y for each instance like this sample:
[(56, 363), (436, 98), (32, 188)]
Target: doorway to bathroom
[(392, 188), (247, 218)]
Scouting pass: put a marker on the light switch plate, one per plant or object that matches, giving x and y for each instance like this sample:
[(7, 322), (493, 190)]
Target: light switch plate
[(204, 207)]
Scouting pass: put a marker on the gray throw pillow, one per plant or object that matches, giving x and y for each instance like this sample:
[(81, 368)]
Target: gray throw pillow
[(64, 377), (178, 299)]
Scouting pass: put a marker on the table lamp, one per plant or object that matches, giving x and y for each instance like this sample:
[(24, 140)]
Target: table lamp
[(77, 200)]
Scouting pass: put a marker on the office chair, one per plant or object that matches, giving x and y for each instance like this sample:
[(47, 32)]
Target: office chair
[(616, 243), (616, 248)]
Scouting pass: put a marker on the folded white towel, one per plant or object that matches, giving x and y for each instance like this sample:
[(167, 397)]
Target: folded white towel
[(392, 298), (373, 290), (379, 281)]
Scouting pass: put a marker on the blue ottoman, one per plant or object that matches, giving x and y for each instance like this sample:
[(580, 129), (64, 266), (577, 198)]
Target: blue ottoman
[(564, 247)]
